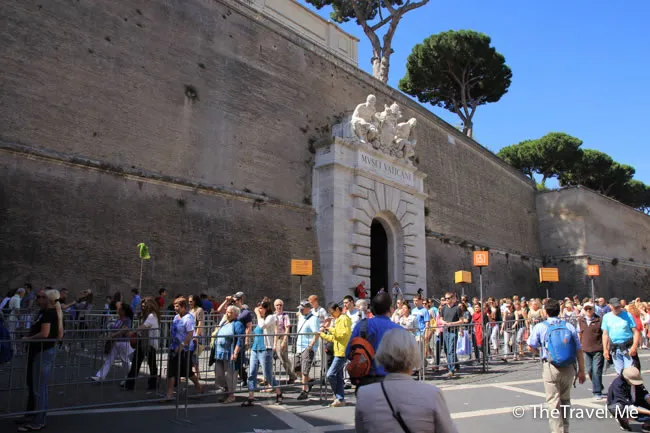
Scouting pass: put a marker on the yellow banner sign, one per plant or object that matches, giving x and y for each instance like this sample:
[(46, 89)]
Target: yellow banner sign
[(301, 267), (550, 275), (463, 277)]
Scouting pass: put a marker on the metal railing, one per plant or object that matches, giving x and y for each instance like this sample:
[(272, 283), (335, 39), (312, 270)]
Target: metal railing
[(85, 353)]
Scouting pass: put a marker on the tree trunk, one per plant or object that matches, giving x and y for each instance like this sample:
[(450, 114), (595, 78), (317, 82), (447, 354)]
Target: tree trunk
[(468, 129), (380, 67)]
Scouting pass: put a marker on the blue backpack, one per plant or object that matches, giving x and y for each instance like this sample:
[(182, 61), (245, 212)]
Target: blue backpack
[(6, 351), (560, 345)]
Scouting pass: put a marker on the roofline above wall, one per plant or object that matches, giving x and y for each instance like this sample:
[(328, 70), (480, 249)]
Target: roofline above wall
[(581, 187)]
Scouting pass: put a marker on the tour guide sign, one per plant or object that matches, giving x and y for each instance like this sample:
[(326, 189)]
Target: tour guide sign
[(385, 169)]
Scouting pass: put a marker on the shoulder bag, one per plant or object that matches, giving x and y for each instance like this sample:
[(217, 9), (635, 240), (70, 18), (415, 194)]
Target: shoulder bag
[(396, 415)]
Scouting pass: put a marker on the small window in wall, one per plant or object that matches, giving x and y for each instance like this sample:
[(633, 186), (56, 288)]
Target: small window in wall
[(451, 139)]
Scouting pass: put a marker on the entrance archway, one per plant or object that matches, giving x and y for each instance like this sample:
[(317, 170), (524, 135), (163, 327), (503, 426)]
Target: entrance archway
[(378, 257)]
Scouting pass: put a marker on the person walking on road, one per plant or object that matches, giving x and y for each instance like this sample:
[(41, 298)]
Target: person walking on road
[(591, 339), (559, 347), (620, 336)]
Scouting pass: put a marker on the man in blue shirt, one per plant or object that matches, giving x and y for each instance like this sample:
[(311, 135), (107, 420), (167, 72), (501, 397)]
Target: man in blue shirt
[(377, 327), (308, 330), (620, 336), (136, 301), (602, 308), (557, 380)]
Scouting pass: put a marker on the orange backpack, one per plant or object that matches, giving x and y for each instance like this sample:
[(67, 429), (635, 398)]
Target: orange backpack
[(361, 355)]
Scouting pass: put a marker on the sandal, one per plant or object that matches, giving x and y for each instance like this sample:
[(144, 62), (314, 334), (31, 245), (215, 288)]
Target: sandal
[(230, 399), (249, 402)]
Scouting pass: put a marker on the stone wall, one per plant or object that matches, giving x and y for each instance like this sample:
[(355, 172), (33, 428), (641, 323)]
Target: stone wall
[(207, 93), (579, 226), (77, 227)]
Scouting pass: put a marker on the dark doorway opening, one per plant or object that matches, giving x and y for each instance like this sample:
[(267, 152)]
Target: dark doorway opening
[(378, 258)]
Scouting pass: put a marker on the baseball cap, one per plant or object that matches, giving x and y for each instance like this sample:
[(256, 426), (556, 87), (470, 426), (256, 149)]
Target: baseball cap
[(588, 304), (615, 302), (304, 304), (633, 375), (238, 295)]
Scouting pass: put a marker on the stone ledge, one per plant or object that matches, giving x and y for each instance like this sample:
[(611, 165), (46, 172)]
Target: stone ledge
[(138, 174)]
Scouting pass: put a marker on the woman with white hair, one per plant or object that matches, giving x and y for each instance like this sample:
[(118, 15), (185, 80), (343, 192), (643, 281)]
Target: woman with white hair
[(399, 403)]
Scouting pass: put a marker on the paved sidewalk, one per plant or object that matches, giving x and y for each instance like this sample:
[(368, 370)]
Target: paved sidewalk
[(477, 402)]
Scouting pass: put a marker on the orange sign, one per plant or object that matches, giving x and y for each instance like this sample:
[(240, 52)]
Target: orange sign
[(549, 274), (481, 258), (301, 267), (593, 270)]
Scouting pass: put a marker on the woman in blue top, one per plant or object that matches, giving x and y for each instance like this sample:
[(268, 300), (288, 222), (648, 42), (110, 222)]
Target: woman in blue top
[(262, 352), (181, 348), (227, 345)]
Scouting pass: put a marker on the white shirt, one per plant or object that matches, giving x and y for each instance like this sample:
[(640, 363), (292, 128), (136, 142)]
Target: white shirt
[(154, 330), (268, 325), (14, 307), (354, 317)]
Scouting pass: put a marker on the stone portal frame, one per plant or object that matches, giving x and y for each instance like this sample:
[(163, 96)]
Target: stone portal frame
[(351, 187)]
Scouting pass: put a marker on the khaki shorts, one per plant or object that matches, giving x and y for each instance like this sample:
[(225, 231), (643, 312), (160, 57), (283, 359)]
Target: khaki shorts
[(304, 361)]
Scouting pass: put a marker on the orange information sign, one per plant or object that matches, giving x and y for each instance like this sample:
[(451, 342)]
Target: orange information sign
[(301, 267), (463, 277), (549, 275), (593, 270), (481, 258)]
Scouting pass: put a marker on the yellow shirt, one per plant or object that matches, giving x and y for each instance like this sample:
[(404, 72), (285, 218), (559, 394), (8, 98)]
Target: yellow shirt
[(339, 334)]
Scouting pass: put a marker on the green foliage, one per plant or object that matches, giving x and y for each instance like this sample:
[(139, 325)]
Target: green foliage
[(458, 71), (548, 156), (559, 155), (555, 153)]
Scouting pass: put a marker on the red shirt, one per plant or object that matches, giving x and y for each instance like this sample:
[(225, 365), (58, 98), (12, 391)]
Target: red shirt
[(637, 320), (361, 292), (161, 301)]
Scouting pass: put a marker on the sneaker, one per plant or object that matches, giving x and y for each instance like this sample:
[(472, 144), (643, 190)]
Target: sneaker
[(304, 395), (337, 403), (599, 397), (95, 379), (623, 424)]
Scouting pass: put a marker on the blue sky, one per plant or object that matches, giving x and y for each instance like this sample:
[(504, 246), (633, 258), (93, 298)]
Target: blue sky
[(579, 67)]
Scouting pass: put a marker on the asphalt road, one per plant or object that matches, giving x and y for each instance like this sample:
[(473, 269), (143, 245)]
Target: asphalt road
[(485, 402)]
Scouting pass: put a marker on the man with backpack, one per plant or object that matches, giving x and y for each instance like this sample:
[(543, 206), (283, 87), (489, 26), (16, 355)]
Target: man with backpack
[(559, 348), (364, 343)]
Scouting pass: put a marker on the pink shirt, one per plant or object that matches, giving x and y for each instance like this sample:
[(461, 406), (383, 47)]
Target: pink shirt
[(283, 323)]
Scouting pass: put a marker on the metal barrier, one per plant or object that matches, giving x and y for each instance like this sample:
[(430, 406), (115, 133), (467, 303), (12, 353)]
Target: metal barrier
[(76, 360), (85, 353)]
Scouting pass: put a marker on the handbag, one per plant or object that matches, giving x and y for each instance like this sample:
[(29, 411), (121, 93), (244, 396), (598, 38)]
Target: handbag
[(463, 345), (396, 415)]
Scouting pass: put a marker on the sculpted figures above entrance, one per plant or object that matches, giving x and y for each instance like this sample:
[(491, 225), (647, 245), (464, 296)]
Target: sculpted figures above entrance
[(383, 131)]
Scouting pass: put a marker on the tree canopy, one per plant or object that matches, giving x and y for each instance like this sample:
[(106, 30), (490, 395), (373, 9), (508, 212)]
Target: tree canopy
[(372, 15), (458, 71), (560, 155)]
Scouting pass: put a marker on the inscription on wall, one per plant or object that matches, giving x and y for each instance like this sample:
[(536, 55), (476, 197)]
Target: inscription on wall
[(383, 168)]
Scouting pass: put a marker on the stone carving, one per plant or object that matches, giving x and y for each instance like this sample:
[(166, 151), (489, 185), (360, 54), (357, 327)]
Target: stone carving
[(381, 130)]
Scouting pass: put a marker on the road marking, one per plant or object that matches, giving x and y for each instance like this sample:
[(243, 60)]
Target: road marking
[(486, 385), (289, 418), (521, 390)]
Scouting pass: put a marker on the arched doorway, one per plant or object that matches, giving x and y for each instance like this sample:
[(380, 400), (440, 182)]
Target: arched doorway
[(378, 257)]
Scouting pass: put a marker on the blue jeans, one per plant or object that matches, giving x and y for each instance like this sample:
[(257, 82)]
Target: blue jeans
[(622, 360), (335, 377), (594, 362), (262, 358), (451, 338), (38, 377)]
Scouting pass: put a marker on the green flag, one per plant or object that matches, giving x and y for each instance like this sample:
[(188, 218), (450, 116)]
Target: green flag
[(144, 251)]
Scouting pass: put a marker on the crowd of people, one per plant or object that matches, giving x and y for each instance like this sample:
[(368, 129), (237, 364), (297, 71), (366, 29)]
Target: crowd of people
[(375, 344)]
